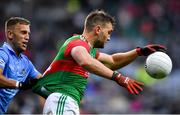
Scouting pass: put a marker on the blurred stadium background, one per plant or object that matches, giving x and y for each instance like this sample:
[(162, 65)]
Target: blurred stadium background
[(139, 22)]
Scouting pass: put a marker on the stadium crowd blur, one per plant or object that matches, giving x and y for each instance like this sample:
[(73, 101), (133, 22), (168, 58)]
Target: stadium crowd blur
[(139, 22)]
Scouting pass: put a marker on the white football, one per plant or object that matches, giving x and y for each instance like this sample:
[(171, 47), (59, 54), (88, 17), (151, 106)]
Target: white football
[(158, 65)]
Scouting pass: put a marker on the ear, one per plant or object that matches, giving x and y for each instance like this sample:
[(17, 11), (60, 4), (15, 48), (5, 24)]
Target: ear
[(9, 34), (97, 29)]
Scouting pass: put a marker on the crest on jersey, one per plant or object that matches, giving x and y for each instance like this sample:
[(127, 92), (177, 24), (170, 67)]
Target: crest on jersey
[(2, 63), (23, 72)]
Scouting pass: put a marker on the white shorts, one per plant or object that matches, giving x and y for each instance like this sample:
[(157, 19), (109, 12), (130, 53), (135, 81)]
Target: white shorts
[(60, 104)]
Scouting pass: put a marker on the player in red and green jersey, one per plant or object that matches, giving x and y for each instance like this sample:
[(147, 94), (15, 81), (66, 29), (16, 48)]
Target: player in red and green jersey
[(65, 80), (64, 73)]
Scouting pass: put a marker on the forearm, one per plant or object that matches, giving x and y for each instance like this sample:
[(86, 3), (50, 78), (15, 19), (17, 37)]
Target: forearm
[(7, 83), (123, 59), (133, 86), (96, 67)]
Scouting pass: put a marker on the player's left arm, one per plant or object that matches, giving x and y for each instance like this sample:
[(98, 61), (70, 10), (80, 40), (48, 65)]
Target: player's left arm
[(117, 60)]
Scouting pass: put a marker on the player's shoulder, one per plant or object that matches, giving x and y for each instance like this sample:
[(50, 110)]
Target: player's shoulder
[(79, 42), (76, 41), (3, 52), (4, 55)]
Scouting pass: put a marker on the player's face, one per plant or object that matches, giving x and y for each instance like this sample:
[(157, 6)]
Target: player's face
[(103, 35), (20, 37)]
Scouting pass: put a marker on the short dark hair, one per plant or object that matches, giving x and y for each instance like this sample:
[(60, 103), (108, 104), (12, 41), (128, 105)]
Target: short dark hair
[(15, 20), (98, 17)]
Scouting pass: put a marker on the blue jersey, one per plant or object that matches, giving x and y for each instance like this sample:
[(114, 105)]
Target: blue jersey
[(14, 67)]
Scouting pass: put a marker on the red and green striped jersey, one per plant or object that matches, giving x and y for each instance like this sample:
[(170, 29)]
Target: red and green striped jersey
[(64, 75)]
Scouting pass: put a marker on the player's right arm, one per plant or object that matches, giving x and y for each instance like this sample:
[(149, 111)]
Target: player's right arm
[(83, 58), (10, 83), (6, 83)]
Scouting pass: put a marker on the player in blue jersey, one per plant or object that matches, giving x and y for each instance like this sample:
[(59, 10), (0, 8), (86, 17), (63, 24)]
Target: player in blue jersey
[(16, 70)]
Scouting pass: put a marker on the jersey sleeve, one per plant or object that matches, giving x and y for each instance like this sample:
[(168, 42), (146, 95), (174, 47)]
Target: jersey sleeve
[(33, 72), (73, 44), (3, 59)]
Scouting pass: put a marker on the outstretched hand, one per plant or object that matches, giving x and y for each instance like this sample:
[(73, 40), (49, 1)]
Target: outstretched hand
[(28, 84), (133, 86), (149, 49)]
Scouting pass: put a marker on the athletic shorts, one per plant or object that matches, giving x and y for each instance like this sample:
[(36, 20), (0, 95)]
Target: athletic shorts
[(60, 104)]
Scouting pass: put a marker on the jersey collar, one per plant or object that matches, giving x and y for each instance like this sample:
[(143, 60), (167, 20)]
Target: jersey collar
[(8, 47), (84, 39)]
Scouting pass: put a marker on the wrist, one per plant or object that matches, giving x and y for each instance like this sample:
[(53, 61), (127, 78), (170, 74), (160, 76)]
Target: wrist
[(119, 78), (116, 76), (138, 50), (17, 84)]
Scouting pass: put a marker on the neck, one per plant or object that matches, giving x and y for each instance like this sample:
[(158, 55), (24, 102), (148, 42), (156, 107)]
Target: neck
[(89, 38), (14, 49)]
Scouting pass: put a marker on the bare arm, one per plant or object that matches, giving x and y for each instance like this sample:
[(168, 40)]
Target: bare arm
[(118, 60), (6, 83), (82, 57)]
